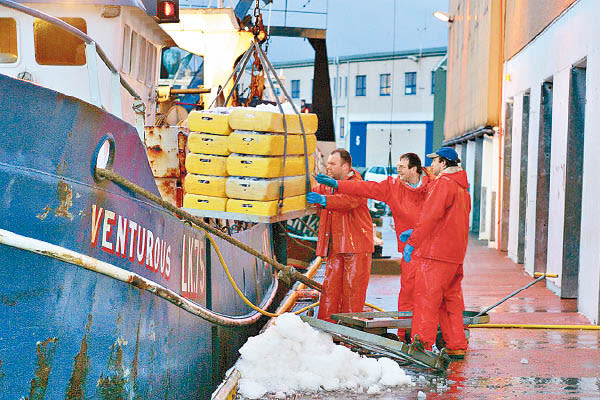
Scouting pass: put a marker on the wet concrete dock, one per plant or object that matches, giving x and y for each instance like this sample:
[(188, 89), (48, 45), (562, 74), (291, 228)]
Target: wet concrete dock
[(501, 363), (511, 363)]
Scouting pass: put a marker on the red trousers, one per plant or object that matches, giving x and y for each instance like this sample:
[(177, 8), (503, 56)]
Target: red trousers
[(406, 295), (438, 300), (345, 284)]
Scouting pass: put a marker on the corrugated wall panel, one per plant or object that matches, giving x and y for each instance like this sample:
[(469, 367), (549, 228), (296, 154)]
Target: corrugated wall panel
[(474, 66), (525, 19)]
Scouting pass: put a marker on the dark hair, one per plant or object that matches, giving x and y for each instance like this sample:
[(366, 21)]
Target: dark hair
[(449, 163), (413, 161), (344, 155)]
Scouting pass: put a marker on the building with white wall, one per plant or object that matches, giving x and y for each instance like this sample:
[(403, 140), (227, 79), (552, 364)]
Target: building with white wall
[(374, 95), (551, 91), (523, 85)]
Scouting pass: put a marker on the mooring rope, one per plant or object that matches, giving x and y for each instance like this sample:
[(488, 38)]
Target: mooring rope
[(287, 274)]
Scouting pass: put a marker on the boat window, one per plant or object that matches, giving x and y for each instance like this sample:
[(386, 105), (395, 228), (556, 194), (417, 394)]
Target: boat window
[(151, 70), (133, 52), (8, 41), (55, 46), (178, 64), (126, 49), (142, 59)]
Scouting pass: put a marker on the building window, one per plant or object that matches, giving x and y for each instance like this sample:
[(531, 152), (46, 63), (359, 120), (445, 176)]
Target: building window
[(432, 82), (296, 89), (361, 85), (133, 49), (141, 72), (342, 127), (335, 88), (125, 60), (385, 84), (151, 69), (345, 86), (55, 46), (410, 83), (8, 41)]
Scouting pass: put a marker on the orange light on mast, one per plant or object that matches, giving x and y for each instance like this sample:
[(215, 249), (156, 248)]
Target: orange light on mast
[(167, 11)]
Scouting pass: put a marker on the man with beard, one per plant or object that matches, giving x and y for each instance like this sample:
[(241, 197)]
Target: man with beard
[(345, 239)]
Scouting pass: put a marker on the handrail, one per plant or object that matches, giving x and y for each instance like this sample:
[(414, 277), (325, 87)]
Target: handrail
[(74, 31), (47, 249)]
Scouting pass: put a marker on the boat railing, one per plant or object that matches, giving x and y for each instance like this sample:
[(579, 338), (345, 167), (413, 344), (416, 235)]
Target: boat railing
[(91, 50)]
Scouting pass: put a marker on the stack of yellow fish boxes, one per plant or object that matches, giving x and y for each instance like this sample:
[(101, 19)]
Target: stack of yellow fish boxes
[(236, 162)]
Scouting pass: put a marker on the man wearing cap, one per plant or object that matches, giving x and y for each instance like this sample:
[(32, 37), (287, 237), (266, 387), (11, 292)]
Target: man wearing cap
[(345, 238), (405, 196), (437, 246)]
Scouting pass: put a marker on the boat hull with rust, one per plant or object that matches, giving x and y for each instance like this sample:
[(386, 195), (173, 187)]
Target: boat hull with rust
[(71, 332)]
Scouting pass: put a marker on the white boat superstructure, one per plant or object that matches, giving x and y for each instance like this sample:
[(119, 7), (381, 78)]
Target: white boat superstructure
[(37, 50)]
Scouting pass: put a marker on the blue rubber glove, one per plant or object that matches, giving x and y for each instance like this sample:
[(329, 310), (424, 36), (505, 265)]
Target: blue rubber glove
[(408, 249), (405, 235), (327, 180), (316, 198)]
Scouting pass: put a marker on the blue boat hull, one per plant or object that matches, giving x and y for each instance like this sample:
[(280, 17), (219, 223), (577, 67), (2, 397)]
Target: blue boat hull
[(68, 332)]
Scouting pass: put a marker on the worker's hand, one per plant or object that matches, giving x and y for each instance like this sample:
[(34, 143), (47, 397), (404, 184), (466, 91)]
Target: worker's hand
[(405, 235), (327, 180), (316, 198), (408, 249)]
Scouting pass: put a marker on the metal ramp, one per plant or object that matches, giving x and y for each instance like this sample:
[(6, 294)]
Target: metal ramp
[(408, 353)]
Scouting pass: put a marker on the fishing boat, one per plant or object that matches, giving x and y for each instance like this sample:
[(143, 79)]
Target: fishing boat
[(105, 293)]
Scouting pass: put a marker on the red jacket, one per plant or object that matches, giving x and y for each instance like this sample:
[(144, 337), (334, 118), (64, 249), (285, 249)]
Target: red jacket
[(345, 221), (442, 232), (404, 201)]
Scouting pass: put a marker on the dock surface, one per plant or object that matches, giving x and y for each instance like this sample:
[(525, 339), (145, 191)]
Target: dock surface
[(502, 362)]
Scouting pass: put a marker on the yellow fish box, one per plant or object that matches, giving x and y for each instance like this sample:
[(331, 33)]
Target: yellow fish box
[(206, 164), (269, 144), (266, 208), (251, 119), (266, 166), (209, 122), (239, 187), (207, 143), (205, 184), (201, 202)]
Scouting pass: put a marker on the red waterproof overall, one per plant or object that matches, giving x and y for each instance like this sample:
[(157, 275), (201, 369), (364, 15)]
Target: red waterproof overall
[(346, 239), (405, 203), (440, 242)]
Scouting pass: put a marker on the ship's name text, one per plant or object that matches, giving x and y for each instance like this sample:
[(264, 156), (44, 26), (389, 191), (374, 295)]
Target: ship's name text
[(126, 238)]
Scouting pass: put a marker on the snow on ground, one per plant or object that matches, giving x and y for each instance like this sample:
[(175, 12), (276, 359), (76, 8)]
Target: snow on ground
[(291, 356)]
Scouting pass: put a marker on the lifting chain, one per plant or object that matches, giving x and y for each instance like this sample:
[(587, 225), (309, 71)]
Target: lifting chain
[(257, 77)]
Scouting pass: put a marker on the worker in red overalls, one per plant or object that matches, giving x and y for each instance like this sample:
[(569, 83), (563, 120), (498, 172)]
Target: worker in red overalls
[(405, 196), (345, 238), (439, 242)]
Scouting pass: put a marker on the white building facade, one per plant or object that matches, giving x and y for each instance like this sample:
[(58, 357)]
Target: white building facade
[(551, 92), (375, 96)]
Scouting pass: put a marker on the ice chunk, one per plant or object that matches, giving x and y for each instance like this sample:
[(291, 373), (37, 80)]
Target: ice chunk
[(292, 356)]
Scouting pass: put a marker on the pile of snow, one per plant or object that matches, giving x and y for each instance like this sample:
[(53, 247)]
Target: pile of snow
[(291, 356)]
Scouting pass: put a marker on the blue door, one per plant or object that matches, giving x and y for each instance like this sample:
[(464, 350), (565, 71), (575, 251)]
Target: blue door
[(358, 143)]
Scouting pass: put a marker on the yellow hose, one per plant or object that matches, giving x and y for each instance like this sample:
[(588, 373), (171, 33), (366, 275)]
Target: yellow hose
[(300, 311), (374, 307), (235, 287), (539, 326), (268, 314)]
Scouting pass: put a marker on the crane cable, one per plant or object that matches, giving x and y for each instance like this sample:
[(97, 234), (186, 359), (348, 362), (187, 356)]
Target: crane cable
[(389, 166)]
